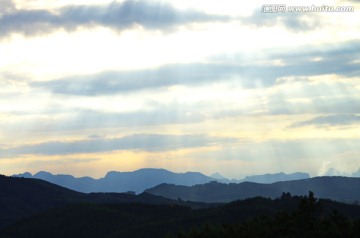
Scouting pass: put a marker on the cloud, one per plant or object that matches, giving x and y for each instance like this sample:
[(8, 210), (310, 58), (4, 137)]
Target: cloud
[(165, 76), (334, 56), (163, 115), (7, 6), (286, 155), (327, 105), (75, 119), (136, 142), (331, 120), (332, 60), (128, 14), (81, 160), (297, 22), (326, 96), (116, 15)]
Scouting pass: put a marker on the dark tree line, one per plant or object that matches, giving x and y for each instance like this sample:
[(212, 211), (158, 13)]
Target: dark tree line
[(287, 216), (308, 220)]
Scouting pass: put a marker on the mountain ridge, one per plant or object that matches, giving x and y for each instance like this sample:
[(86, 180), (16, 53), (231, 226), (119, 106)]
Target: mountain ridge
[(335, 188), (145, 178)]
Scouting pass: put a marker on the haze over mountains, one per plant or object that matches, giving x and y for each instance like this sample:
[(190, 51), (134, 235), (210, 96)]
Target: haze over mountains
[(142, 179)]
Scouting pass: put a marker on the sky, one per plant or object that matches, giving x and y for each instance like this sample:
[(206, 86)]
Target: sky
[(211, 86)]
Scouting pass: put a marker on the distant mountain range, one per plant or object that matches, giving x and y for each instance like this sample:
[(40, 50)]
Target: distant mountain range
[(272, 178), (142, 179), (335, 188), (136, 181)]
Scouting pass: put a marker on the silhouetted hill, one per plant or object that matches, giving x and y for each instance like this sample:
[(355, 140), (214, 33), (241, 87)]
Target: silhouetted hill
[(142, 179), (335, 188), (21, 197), (144, 220)]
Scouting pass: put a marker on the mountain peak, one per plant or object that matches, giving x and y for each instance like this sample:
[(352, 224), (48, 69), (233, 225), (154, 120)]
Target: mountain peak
[(111, 174), (217, 175), (43, 174), (23, 175)]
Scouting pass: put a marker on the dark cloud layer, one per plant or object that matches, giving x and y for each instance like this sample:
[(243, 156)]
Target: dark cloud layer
[(124, 15), (164, 115), (118, 16), (336, 60), (297, 22), (165, 76), (136, 142), (330, 120), (7, 6), (79, 119)]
